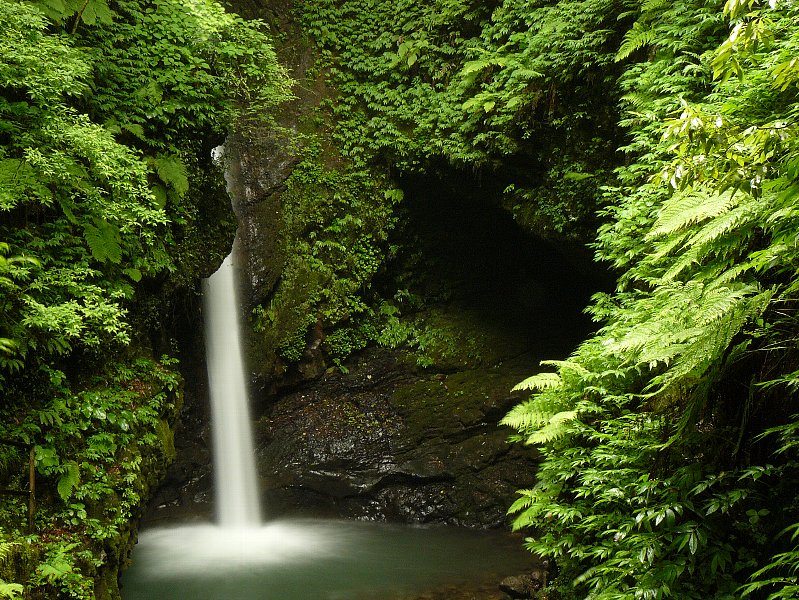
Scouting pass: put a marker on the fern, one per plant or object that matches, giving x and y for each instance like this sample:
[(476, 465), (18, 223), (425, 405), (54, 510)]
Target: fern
[(556, 427), (689, 258), (172, 171), (6, 551), (89, 12), (637, 100), (11, 591), (722, 225), (103, 241), (635, 39), (654, 5), (683, 210), (525, 501), (533, 413), (666, 247), (567, 368), (539, 381), (69, 480), (720, 317)]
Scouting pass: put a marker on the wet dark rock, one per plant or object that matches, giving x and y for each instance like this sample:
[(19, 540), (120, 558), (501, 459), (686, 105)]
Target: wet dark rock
[(257, 167), (387, 440), (385, 443), (520, 586), (527, 585)]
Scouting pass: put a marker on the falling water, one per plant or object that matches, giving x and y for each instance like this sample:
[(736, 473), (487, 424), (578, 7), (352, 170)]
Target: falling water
[(234, 463)]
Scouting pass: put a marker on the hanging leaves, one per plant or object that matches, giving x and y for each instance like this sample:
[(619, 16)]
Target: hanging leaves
[(172, 172), (104, 241)]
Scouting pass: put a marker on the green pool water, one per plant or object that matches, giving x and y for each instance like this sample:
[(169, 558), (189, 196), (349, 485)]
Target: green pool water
[(315, 560)]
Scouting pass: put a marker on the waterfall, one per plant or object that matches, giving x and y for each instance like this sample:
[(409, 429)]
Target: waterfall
[(234, 461)]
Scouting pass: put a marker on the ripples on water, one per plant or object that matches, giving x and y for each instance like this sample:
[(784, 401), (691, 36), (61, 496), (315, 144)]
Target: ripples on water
[(314, 560)]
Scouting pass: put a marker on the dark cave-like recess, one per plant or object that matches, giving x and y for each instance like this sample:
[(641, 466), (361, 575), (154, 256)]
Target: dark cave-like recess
[(463, 248)]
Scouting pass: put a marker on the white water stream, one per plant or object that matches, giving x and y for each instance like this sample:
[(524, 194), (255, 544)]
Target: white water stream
[(237, 502)]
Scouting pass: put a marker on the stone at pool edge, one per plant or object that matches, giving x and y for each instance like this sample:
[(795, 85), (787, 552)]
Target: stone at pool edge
[(524, 586)]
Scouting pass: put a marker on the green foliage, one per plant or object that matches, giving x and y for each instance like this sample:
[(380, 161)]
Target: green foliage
[(155, 88), (59, 571), (106, 114), (94, 176), (9, 591), (335, 227), (669, 437), (96, 450), (478, 86), (69, 480), (513, 88)]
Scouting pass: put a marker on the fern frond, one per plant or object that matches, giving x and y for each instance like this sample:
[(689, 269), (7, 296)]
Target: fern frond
[(526, 499), (637, 99), (11, 591), (567, 366), (103, 241), (720, 318), (539, 381), (682, 210), (527, 74), (666, 247), (69, 480), (6, 551), (720, 302), (533, 413), (635, 39), (722, 225), (172, 171), (636, 339), (692, 256), (730, 275), (475, 66), (654, 5), (557, 427)]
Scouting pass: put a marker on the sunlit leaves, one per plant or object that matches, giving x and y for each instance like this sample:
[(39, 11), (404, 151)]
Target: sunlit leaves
[(183, 67), (43, 67)]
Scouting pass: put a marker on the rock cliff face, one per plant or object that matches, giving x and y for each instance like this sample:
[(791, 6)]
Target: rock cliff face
[(410, 434), (392, 440)]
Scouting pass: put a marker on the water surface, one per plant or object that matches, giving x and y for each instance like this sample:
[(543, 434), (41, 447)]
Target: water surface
[(315, 560)]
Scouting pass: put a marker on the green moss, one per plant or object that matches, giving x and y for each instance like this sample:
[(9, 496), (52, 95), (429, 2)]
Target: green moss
[(334, 227), (166, 439), (450, 401)]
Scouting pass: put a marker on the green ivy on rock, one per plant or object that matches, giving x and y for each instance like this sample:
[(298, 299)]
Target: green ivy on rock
[(521, 90)]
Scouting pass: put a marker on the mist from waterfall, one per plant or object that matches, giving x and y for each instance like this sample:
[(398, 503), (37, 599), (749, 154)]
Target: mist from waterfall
[(237, 502)]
